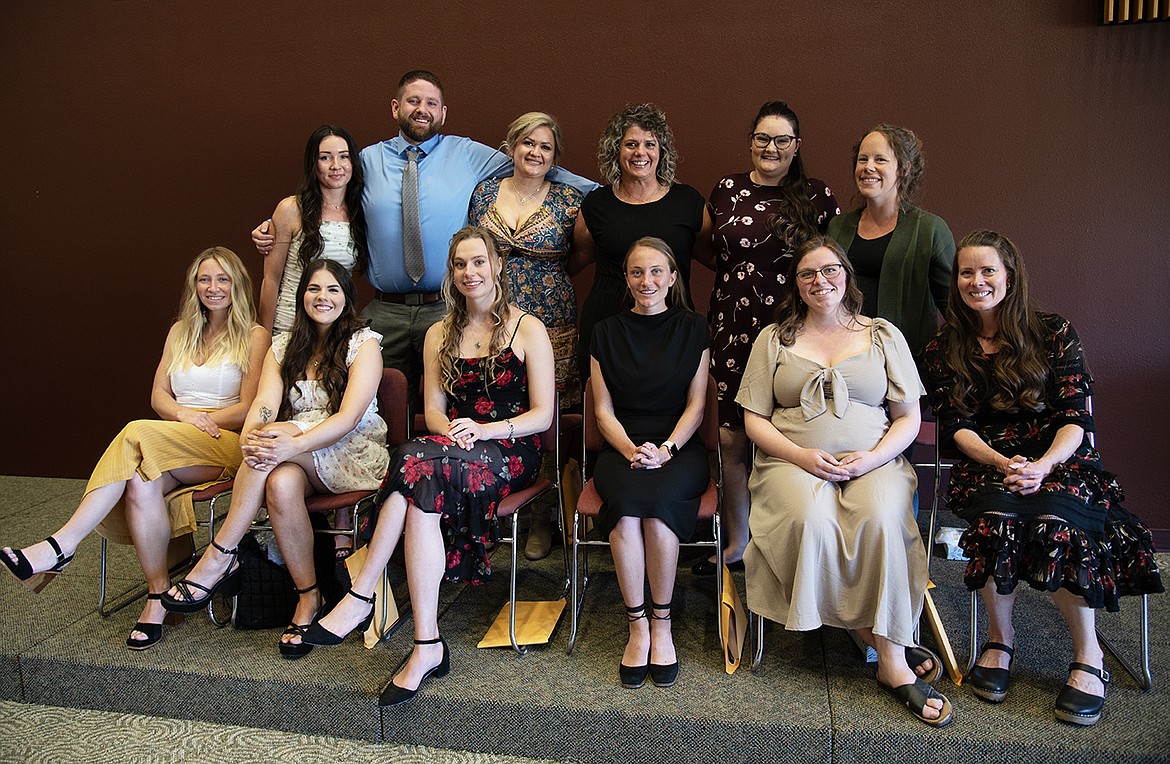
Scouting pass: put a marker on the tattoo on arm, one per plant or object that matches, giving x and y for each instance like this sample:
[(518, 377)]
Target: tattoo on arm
[(265, 414)]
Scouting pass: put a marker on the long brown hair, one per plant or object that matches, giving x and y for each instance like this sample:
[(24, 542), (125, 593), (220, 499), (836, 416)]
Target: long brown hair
[(791, 311), (333, 373), (458, 317), (1020, 369), (794, 219)]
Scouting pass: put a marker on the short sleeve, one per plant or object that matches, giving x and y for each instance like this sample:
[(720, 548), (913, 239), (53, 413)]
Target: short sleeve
[(280, 345), (904, 385), (356, 340), (755, 389)]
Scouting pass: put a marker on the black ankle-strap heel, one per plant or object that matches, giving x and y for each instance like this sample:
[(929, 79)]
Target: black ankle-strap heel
[(633, 677), (663, 675)]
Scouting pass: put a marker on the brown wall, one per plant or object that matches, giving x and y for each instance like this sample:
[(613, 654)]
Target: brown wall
[(138, 132)]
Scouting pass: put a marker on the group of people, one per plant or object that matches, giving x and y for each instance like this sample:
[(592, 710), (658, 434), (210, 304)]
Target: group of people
[(822, 330)]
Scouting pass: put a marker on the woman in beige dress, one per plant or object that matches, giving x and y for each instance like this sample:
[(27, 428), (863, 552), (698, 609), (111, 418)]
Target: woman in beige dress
[(830, 399)]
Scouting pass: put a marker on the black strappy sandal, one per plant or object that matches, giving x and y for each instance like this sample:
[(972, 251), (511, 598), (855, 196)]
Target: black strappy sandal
[(228, 585), (23, 569), (294, 650)]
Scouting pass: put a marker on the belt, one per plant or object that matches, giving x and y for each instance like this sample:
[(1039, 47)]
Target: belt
[(409, 298)]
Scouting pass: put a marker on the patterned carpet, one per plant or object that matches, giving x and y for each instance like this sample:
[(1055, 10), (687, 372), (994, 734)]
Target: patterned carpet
[(31, 734)]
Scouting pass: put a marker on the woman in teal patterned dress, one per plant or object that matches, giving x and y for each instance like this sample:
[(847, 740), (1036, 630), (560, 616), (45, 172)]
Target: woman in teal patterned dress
[(533, 218)]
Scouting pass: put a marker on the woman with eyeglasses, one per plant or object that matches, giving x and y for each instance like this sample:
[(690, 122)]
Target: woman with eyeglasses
[(902, 253), (760, 218), (830, 398)]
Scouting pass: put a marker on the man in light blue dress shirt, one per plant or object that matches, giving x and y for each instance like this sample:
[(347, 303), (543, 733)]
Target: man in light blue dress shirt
[(449, 169)]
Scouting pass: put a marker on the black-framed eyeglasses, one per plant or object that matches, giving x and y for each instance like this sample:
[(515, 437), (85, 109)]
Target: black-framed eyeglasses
[(761, 140), (829, 271)]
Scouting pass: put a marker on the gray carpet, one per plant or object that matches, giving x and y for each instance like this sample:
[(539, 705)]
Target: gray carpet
[(814, 699)]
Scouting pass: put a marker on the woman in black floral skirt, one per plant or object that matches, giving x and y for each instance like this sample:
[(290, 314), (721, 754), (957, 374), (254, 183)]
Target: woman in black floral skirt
[(1010, 387), (488, 388)]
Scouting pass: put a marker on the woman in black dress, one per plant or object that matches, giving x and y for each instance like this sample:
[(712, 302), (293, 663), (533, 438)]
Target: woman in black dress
[(649, 377), (489, 387), (637, 157), (1010, 385)]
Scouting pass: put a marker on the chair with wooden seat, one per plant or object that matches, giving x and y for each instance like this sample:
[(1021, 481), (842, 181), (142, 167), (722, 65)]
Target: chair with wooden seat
[(589, 506)]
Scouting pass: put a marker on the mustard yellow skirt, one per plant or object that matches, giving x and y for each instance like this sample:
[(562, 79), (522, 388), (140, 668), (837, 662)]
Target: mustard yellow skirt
[(151, 447)]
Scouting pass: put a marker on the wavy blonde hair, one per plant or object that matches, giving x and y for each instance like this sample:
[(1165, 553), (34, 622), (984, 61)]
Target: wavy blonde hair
[(233, 344), (651, 119), (457, 317)]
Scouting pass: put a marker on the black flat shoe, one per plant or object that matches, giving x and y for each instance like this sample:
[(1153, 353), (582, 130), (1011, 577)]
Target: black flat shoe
[(708, 568), (394, 695), (662, 674), (991, 683), (316, 634), (633, 677), (1078, 707), (23, 569), (293, 650), (228, 585), (153, 631)]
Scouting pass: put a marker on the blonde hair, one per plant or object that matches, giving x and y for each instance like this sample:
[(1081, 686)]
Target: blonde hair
[(233, 344), (457, 317), (525, 124)]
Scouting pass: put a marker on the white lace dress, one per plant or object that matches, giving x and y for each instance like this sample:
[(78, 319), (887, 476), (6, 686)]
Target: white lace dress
[(356, 462), (336, 244)]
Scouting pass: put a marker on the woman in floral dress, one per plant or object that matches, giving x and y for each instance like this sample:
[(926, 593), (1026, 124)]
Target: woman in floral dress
[(761, 217), (1009, 385), (489, 389)]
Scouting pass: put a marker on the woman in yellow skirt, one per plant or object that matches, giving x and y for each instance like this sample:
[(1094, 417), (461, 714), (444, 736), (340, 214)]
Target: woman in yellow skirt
[(140, 490)]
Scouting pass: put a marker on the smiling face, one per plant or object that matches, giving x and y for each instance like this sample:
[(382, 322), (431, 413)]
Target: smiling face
[(334, 164), (982, 279), (419, 110), (639, 155), (649, 279), (821, 291), (474, 271), (213, 285), (876, 169), (324, 298), (534, 154), (771, 163)]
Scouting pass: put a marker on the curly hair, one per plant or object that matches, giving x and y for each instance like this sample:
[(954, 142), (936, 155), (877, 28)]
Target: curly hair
[(303, 343), (525, 124), (309, 199), (911, 160), (457, 317), (677, 297), (234, 343), (791, 312), (1020, 369), (648, 117), (795, 219)]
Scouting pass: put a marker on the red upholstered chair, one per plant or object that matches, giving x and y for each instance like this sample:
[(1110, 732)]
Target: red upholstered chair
[(590, 502)]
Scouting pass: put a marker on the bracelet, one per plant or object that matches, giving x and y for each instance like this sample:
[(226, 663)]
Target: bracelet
[(511, 428)]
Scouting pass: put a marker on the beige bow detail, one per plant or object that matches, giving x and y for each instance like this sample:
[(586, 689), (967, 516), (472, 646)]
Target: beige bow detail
[(812, 395)]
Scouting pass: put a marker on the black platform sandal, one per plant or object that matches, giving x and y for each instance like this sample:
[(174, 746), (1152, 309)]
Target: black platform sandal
[(294, 650), (663, 675), (633, 677), (23, 569), (1077, 706), (153, 631)]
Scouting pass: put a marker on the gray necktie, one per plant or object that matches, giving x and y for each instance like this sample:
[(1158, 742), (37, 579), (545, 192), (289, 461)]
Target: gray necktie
[(412, 246)]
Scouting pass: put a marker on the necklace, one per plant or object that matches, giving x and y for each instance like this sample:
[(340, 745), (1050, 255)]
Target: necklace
[(524, 200), (334, 206)]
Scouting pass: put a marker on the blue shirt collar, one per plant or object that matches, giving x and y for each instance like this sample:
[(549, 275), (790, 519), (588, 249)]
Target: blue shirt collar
[(400, 144)]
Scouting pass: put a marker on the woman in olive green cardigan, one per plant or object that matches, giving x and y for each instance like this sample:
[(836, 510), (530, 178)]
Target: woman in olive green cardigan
[(902, 253)]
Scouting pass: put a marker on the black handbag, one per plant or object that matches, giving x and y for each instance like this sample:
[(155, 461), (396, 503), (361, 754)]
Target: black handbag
[(267, 597)]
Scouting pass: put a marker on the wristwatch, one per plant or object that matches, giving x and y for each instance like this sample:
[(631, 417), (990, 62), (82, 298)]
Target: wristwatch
[(670, 447)]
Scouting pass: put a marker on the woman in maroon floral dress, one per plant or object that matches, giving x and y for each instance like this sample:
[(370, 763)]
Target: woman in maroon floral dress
[(489, 386), (1009, 385)]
